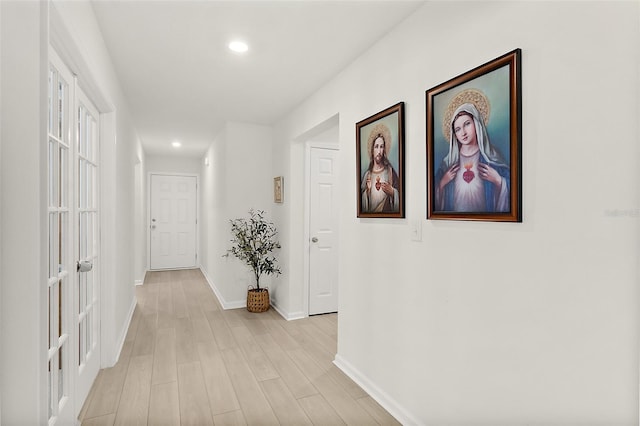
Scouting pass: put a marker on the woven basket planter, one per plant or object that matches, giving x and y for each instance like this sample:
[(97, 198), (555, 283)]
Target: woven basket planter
[(258, 300)]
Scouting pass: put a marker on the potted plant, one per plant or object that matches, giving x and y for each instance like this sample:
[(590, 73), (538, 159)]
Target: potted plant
[(253, 242)]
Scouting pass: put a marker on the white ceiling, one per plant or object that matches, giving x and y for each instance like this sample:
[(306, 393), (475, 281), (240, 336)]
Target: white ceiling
[(182, 82)]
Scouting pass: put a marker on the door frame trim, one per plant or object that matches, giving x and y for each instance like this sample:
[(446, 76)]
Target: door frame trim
[(147, 220)]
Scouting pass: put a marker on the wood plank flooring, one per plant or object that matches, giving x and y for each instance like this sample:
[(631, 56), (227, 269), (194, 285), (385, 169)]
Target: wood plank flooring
[(186, 361)]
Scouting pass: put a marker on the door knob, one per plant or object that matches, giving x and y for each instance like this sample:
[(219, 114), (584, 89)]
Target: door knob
[(84, 266), (153, 227), (314, 240)]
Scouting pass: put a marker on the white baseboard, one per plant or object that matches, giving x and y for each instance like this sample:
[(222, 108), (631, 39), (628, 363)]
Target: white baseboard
[(141, 282), (124, 331), (381, 397), (288, 317)]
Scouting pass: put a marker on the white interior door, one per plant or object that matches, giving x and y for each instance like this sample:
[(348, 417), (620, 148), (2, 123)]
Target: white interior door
[(323, 227), (73, 240), (173, 221), (87, 257)]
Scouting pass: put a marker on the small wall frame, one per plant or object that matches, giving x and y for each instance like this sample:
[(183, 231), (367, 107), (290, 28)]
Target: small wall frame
[(278, 189)]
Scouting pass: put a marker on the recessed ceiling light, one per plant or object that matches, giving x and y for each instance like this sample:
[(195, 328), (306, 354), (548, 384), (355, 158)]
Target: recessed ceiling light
[(176, 144), (238, 46)]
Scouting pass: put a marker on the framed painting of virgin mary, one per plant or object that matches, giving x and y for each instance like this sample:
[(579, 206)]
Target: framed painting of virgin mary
[(474, 144)]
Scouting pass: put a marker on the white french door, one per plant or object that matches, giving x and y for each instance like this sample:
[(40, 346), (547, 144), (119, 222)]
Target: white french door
[(73, 283), (87, 248), (323, 230), (173, 221)]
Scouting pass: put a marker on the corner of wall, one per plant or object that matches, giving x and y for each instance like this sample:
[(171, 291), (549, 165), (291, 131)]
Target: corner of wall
[(224, 303), (117, 349), (140, 281), (288, 316)]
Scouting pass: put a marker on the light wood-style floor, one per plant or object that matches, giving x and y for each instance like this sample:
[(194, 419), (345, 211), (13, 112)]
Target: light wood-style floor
[(186, 361)]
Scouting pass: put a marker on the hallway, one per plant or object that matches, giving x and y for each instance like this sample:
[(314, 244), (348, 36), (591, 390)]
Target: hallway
[(186, 361)]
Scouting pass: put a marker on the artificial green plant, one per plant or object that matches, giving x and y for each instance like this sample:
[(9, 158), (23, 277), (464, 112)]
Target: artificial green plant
[(254, 241)]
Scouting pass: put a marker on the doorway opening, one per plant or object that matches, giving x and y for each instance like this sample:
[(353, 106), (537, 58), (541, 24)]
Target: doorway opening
[(322, 219)]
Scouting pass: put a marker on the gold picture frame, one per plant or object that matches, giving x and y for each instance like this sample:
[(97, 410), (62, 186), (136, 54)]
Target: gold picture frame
[(278, 189)]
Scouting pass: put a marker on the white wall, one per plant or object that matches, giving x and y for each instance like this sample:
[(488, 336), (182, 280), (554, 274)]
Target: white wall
[(140, 222), (212, 209), (238, 177), (0, 212), (23, 201), (490, 323), (176, 164)]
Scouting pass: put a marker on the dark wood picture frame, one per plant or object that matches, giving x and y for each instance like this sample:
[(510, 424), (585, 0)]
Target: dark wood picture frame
[(380, 178), (494, 92)]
